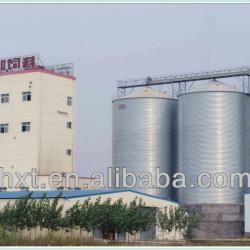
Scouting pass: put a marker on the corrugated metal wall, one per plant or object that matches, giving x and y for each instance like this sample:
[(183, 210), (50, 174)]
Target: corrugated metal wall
[(211, 139), (144, 131)]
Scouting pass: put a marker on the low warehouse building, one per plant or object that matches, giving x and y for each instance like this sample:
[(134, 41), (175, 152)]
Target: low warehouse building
[(69, 197)]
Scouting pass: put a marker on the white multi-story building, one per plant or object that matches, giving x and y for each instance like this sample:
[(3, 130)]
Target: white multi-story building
[(37, 118)]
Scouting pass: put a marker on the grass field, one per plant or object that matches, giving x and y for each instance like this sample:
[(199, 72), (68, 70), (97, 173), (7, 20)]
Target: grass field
[(15, 239)]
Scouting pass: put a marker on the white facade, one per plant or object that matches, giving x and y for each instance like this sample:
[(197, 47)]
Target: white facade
[(49, 145)]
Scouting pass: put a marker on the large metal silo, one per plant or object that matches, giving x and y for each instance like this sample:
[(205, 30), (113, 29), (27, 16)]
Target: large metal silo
[(247, 136), (211, 140), (144, 126)]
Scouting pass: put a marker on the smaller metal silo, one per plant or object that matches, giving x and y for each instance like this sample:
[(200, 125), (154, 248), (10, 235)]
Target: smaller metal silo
[(144, 129)]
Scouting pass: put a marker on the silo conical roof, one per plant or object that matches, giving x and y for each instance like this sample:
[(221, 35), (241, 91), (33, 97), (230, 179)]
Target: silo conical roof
[(214, 86), (147, 92)]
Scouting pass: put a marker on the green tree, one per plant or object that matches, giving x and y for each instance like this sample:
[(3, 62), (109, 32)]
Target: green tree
[(178, 220), (49, 213), (104, 219), (42, 208), (86, 215), (23, 212), (8, 221), (118, 216), (112, 217), (78, 216), (33, 221), (108, 217), (20, 215), (53, 215), (72, 217), (138, 217), (94, 214), (192, 222), (164, 221)]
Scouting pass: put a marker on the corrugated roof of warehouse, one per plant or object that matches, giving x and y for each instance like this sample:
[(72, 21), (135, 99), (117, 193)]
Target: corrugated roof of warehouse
[(69, 194)]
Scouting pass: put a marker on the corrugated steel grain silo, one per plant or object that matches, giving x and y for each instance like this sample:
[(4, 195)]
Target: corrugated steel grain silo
[(144, 131), (210, 139), (247, 136)]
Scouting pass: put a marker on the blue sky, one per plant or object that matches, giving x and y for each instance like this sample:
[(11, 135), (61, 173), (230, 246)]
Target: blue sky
[(109, 42)]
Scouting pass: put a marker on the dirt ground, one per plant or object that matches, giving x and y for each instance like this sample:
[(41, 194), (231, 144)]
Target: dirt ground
[(226, 242)]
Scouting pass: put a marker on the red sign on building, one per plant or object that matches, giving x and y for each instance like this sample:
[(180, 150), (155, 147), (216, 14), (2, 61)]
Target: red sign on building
[(17, 63)]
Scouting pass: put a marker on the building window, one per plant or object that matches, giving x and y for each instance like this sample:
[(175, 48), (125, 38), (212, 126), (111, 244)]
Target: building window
[(69, 101), (25, 126), (4, 128), (5, 98), (27, 96), (69, 125), (68, 152)]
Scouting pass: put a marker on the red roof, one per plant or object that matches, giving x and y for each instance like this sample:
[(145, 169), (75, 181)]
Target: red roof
[(42, 70)]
